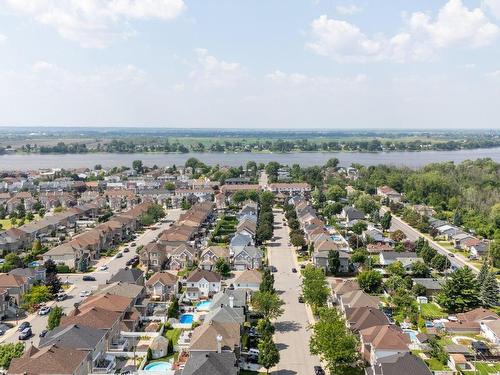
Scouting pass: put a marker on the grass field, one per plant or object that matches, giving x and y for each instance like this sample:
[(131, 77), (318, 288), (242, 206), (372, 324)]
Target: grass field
[(431, 311), (484, 368)]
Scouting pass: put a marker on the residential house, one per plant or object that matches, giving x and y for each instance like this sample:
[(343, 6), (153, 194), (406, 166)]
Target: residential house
[(51, 360), (131, 275), (491, 330), (383, 341), (407, 258), (202, 284), (211, 255), (358, 298), (232, 298), (16, 286), (4, 303), (360, 318), (205, 337), (162, 286), (432, 286), (341, 286), (290, 188), (182, 256), (320, 259), (154, 255), (401, 363), (213, 363), (77, 337), (247, 258), (389, 193), (351, 215), (249, 279), (226, 314)]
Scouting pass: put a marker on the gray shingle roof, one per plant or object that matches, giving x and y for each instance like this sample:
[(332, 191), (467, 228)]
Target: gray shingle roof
[(203, 363), (73, 337), (128, 276)]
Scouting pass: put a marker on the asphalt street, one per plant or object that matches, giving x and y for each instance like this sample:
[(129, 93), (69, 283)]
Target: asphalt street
[(292, 336)]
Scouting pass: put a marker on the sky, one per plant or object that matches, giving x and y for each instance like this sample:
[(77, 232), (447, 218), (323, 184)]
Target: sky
[(267, 64)]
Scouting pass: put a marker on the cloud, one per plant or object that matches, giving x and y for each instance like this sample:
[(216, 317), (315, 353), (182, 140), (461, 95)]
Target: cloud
[(420, 39), (493, 6), (210, 72), (493, 75), (3, 38), (96, 23), (348, 9), (302, 80)]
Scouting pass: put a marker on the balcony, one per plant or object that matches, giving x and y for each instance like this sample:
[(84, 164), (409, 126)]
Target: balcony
[(119, 345), (104, 365)]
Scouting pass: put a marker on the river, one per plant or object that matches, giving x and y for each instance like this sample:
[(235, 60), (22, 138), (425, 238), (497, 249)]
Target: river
[(304, 159)]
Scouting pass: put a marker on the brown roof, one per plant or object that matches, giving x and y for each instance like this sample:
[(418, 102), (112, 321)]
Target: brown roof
[(365, 317), (378, 247), (342, 286), (166, 278), (198, 274), (48, 360), (111, 302), (249, 276), (204, 337), (358, 298), (385, 337), (12, 281), (477, 315), (94, 318)]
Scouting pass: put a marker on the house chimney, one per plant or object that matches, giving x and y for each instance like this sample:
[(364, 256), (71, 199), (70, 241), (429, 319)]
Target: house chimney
[(231, 301), (219, 344)]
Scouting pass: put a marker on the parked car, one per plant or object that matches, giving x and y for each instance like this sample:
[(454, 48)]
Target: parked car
[(253, 351), (85, 293), (126, 250), (133, 244), (301, 299), (61, 297), (119, 255), (451, 255), (318, 370), (302, 266), (294, 270), (43, 333), (88, 278), (103, 268), (25, 334), (23, 326), (44, 310)]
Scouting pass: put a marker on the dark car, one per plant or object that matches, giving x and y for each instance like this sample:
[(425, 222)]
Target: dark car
[(301, 299), (302, 266), (61, 297), (88, 278), (119, 255), (273, 269), (294, 270), (25, 334), (43, 333), (126, 250), (23, 326), (318, 370), (451, 255), (133, 244)]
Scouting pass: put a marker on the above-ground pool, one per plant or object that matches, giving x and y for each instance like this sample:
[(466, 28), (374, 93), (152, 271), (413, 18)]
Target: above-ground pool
[(203, 306), (186, 319), (412, 334), (158, 366)]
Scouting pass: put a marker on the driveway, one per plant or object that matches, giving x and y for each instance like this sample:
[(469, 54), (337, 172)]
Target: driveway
[(292, 336), (114, 264)]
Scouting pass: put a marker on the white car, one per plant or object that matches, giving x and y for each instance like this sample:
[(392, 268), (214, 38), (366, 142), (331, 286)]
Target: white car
[(103, 268), (85, 293), (44, 310)]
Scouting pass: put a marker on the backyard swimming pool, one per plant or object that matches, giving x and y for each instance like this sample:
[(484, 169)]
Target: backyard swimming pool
[(412, 334), (158, 366), (203, 306), (186, 319)]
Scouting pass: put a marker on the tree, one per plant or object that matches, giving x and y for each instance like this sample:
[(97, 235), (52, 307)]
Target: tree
[(359, 227), (265, 327), (267, 283), (36, 247), (50, 267), (394, 283), (386, 220), (137, 166), (370, 281), (335, 193), (332, 163), (359, 256), (268, 304), (54, 317), (440, 262), (269, 355), (333, 261), (222, 267), (314, 287), (13, 261), (405, 304), (396, 268), (297, 239), (333, 342), (419, 269), (53, 282), (460, 292), (173, 309), (37, 294), (483, 273), (10, 351), (489, 291), (398, 235), (419, 290)]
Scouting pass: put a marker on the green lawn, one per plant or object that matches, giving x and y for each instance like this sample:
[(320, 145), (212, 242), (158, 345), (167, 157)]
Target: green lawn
[(173, 335), (431, 311), (435, 365), (248, 372), (484, 368)]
